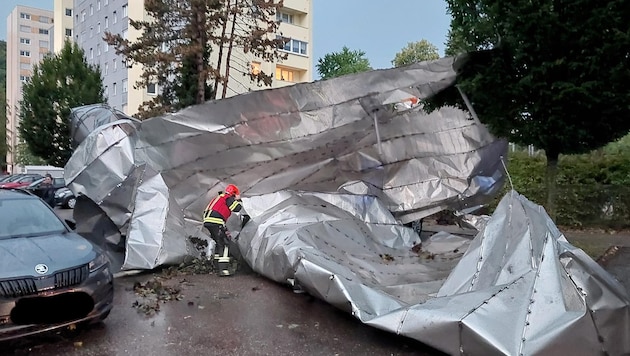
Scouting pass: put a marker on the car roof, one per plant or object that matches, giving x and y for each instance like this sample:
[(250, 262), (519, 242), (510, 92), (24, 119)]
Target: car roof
[(12, 194)]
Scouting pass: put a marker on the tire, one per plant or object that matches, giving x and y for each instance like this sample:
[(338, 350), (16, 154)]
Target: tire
[(70, 203)]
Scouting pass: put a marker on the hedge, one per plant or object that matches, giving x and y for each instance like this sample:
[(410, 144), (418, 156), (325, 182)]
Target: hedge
[(593, 190)]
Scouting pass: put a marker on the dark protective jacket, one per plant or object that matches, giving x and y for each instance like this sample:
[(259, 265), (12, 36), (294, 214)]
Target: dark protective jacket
[(220, 208)]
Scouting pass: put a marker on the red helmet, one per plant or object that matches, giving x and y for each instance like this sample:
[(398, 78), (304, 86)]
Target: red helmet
[(232, 189)]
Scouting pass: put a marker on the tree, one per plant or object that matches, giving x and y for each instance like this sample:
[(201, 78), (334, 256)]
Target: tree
[(176, 44), (24, 157), (336, 64), (550, 73), (59, 83), (422, 50)]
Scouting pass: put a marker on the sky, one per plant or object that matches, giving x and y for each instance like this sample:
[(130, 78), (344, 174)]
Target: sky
[(380, 28)]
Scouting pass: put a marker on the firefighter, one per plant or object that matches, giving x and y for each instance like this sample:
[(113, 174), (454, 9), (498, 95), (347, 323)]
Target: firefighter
[(214, 218)]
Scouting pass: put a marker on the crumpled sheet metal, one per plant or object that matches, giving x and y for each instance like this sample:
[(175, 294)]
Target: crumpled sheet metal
[(519, 289), (348, 135)]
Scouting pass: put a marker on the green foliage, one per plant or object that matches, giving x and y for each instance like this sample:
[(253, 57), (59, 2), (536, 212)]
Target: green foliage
[(59, 83), (347, 61), (557, 76), (422, 50), (24, 157), (592, 189)]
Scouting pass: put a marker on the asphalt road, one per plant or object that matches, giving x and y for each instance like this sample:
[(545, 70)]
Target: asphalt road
[(245, 314)]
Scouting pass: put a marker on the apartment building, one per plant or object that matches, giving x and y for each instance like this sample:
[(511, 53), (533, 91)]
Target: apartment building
[(29, 35), (92, 18)]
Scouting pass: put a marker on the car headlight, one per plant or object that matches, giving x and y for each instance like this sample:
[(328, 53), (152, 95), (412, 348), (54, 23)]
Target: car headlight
[(100, 261)]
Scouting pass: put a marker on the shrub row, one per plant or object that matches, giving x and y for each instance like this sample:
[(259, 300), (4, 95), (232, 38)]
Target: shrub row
[(593, 190)]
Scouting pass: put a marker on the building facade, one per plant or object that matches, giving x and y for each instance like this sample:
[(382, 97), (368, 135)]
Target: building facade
[(29, 36), (90, 19)]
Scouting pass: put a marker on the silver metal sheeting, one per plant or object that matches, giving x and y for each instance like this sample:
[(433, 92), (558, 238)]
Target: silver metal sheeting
[(359, 134), (329, 171), (519, 289)]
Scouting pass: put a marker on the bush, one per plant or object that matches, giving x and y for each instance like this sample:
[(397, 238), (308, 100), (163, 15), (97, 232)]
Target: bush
[(593, 189)]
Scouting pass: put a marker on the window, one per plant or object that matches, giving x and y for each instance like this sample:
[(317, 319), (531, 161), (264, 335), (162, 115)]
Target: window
[(26, 41), (68, 12), (98, 27), (284, 17), (91, 10), (284, 74), (106, 49), (152, 89), (106, 68), (25, 16), (115, 17), (43, 44), (98, 49), (25, 53), (295, 46), (24, 78), (91, 31), (255, 68), (25, 28), (124, 86), (106, 2), (43, 31), (68, 32), (98, 5), (44, 19), (83, 16), (124, 11), (26, 66), (124, 34), (91, 53), (114, 89), (115, 64), (106, 22)]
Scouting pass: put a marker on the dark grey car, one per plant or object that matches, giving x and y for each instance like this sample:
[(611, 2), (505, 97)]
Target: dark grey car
[(50, 277)]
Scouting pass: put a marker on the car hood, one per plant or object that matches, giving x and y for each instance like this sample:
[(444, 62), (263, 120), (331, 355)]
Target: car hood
[(19, 256)]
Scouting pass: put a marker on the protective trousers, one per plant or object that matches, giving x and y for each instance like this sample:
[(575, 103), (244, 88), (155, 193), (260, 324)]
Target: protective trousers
[(222, 257)]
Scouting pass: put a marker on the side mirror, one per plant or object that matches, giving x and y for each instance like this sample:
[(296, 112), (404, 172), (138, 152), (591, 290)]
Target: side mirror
[(72, 224)]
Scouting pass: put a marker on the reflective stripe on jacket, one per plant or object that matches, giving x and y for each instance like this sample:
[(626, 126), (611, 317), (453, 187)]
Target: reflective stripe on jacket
[(220, 208)]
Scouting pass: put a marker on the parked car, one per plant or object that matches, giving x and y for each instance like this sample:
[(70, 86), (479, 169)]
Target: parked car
[(34, 187), (20, 181), (50, 276), (65, 198)]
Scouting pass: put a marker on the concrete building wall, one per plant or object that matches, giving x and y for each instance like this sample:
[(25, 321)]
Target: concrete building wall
[(28, 41), (64, 23), (113, 16)]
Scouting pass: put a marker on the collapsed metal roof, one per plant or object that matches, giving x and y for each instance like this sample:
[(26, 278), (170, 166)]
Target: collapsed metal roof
[(330, 171)]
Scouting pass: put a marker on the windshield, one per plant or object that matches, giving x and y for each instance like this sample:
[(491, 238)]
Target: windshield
[(27, 217)]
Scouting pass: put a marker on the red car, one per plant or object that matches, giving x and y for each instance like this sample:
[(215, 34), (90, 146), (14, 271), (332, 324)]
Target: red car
[(21, 181)]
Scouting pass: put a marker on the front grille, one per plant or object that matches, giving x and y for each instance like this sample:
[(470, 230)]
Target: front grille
[(15, 288), (71, 277)]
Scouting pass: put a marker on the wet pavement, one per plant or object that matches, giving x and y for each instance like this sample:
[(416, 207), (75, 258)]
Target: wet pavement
[(240, 315), (244, 314)]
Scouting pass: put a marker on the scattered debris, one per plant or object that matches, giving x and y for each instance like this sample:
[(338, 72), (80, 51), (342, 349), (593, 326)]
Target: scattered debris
[(417, 248), (386, 257), (153, 293)]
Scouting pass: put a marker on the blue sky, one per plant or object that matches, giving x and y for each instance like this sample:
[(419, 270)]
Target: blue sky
[(380, 28)]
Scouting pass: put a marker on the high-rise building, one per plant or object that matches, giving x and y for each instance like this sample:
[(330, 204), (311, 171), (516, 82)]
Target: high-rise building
[(29, 35), (92, 18)]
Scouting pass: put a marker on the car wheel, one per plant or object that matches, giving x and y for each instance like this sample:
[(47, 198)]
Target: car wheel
[(71, 203)]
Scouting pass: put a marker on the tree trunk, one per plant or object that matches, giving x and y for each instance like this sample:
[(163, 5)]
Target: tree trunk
[(229, 52), (552, 174), (217, 77), (201, 62)]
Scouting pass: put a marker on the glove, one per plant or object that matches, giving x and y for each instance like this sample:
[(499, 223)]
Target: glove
[(246, 218)]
